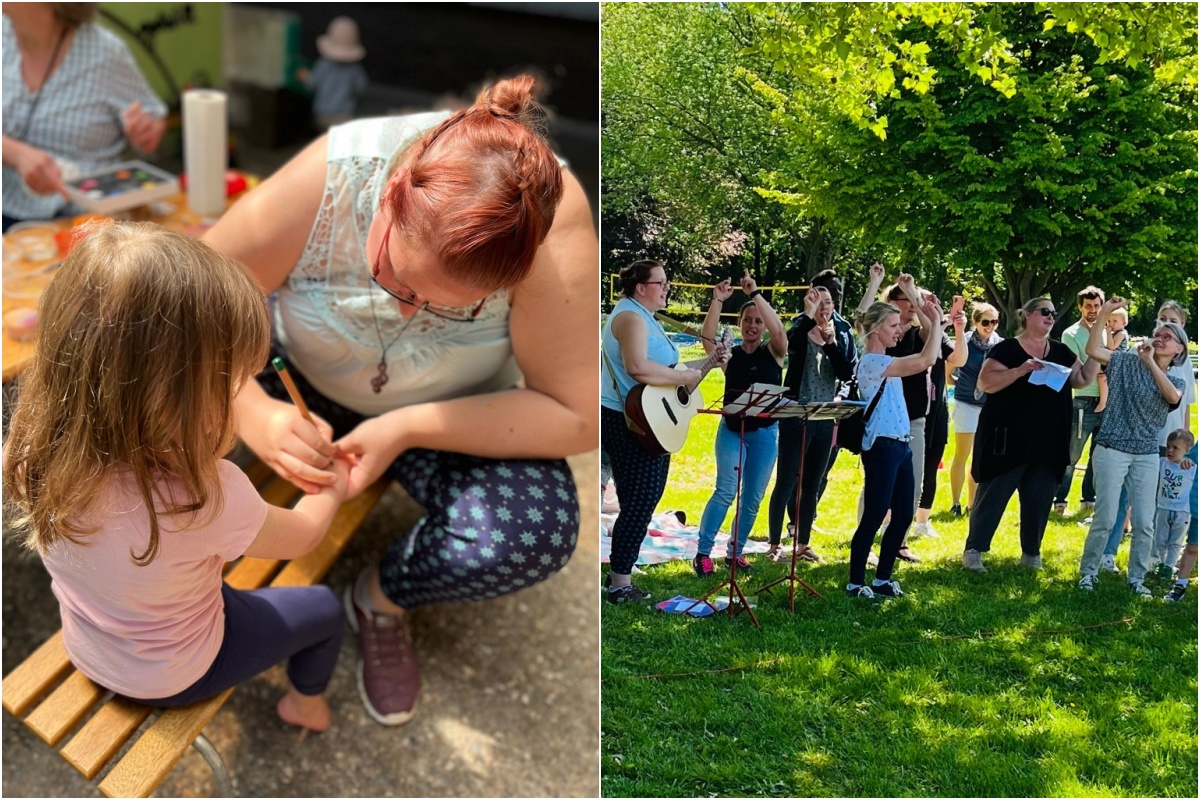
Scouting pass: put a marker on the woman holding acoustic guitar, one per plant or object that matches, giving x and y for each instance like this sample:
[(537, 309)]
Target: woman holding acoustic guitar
[(636, 351), (752, 362)]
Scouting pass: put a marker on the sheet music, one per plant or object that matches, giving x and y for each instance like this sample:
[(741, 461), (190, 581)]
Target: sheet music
[(1051, 375), (768, 399)]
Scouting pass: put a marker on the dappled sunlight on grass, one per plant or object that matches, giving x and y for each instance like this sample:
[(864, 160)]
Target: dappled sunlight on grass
[(1011, 683)]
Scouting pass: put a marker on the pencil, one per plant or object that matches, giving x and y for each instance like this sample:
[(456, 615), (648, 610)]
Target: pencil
[(281, 368)]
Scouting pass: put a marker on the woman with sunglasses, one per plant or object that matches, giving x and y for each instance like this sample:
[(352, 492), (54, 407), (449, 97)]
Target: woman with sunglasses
[(1022, 439), (1142, 391), (969, 400), (416, 261), (636, 350)]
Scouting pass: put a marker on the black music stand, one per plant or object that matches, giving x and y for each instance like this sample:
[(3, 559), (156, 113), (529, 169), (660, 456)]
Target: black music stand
[(763, 401), (807, 412)]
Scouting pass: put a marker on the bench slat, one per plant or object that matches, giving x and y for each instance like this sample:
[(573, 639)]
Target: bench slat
[(102, 735), (159, 748), (311, 567), (62, 710), (35, 675)]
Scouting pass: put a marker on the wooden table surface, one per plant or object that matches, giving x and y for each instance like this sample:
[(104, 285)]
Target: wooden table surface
[(31, 256)]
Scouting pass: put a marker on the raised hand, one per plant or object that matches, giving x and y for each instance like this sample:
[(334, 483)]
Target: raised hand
[(812, 302), (956, 304), (877, 274), (1145, 351), (723, 291), (909, 287), (143, 131), (748, 284), (1112, 304)]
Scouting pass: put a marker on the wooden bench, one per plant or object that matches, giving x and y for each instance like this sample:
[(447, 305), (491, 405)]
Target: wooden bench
[(53, 698)]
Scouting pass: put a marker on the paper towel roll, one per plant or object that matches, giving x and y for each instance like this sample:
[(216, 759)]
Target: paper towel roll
[(204, 150)]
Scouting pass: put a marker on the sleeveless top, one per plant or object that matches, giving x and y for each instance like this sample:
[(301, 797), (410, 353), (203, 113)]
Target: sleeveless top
[(967, 375), (324, 314), (743, 370), (659, 349)]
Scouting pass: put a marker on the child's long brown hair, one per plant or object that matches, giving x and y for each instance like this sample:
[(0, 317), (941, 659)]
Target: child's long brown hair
[(144, 337)]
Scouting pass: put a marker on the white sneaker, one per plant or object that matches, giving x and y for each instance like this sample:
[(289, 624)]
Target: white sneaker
[(1141, 591), (1087, 583), (918, 530), (973, 560), (1109, 564)]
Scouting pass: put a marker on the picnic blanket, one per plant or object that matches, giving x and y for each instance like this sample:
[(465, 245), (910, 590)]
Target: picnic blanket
[(668, 539)]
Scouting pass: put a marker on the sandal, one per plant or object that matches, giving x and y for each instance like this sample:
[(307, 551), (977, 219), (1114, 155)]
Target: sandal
[(905, 554), (810, 555), (777, 554)]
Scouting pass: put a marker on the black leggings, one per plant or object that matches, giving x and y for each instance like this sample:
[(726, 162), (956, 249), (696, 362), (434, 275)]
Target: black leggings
[(640, 481), (816, 458), (937, 432)]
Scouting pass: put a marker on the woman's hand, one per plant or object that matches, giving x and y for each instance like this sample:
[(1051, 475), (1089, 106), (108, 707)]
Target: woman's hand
[(39, 171), (288, 444), (748, 284), (877, 274), (909, 287), (812, 302), (690, 378), (374, 444), (1145, 351), (143, 131), (1027, 366), (723, 291)]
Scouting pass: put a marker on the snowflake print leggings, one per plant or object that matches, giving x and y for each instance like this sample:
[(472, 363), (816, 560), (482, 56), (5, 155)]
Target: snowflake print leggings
[(493, 526)]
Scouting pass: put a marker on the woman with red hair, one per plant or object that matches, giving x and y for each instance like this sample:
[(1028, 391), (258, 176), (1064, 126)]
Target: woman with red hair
[(423, 265)]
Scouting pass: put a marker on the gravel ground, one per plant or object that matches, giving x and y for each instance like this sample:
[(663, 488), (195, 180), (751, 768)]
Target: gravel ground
[(509, 705)]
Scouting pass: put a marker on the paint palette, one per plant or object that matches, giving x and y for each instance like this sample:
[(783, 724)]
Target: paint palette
[(124, 186)]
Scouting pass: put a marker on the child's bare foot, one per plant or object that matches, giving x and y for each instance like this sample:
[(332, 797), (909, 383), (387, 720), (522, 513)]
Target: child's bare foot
[(305, 711)]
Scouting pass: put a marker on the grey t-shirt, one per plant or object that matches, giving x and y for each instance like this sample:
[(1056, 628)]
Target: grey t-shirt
[(1136, 410), (819, 384)]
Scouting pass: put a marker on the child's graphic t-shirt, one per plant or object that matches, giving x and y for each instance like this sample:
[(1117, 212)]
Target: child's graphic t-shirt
[(1174, 485), (150, 632)]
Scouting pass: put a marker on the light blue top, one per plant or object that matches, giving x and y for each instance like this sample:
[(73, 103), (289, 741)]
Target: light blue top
[(659, 349), (890, 417), (1174, 485), (78, 119)]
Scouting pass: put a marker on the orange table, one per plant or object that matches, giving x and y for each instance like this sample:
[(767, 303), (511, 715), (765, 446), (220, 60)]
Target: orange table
[(30, 256)]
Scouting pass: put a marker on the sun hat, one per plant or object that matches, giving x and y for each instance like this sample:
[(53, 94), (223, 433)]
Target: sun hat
[(1180, 336), (340, 42)]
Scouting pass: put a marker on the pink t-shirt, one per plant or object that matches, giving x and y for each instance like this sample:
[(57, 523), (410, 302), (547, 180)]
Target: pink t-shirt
[(152, 631)]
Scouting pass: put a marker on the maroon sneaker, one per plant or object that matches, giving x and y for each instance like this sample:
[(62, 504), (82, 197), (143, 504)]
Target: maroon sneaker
[(389, 677)]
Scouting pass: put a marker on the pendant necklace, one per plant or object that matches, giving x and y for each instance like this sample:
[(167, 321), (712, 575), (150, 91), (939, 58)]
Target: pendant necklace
[(381, 378)]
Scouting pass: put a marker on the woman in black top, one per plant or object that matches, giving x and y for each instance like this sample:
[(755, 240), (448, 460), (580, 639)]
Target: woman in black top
[(753, 361), (821, 356), (1022, 442)]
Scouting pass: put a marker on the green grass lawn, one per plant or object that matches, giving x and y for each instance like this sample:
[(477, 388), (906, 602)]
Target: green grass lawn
[(1012, 683)]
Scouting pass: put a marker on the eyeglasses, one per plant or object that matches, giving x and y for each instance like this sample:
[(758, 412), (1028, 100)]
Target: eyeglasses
[(452, 313), (1165, 336), (988, 323), (1046, 312), (664, 284)]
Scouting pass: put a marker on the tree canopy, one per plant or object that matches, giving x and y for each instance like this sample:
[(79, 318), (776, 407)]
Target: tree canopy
[(1011, 150)]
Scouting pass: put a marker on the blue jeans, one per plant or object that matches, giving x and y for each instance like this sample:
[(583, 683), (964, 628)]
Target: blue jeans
[(1084, 424), (758, 458), (1118, 528), (888, 483), (1140, 473)]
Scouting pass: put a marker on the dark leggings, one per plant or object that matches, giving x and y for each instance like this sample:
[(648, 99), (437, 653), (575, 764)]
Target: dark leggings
[(937, 432), (887, 485), (816, 457), (492, 526), (640, 480), (303, 624), (1035, 485)]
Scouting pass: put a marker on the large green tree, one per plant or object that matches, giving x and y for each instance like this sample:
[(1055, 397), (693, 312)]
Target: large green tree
[(1032, 148)]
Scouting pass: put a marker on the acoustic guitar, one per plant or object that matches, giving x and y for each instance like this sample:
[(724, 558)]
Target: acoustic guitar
[(660, 415)]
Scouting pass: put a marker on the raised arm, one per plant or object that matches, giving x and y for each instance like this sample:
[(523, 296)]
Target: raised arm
[(712, 320), (926, 316), (1162, 381), (957, 318), (1082, 374), (876, 281), (1095, 348), (778, 342)]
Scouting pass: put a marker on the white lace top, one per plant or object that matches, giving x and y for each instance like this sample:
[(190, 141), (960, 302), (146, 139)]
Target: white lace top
[(324, 311)]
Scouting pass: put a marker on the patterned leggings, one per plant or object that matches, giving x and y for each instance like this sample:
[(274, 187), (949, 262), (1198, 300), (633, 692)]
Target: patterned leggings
[(493, 525), (640, 480)]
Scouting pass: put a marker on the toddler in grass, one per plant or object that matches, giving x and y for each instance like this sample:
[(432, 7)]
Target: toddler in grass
[(114, 461), (1173, 517)]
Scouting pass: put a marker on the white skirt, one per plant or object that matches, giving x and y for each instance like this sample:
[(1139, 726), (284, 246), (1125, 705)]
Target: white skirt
[(966, 417)]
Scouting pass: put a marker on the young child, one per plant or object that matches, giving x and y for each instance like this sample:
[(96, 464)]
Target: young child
[(1188, 561), (145, 337), (1173, 515), (337, 80)]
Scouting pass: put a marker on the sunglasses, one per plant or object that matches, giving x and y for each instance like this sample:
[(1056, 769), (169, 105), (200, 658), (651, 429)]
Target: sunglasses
[(1046, 312), (453, 314), (989, 323)]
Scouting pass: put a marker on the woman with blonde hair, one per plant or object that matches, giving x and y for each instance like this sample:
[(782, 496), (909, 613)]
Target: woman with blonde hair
[(435, 278), (969, 400), (1022, 439), (114, 458), (889, 480)]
